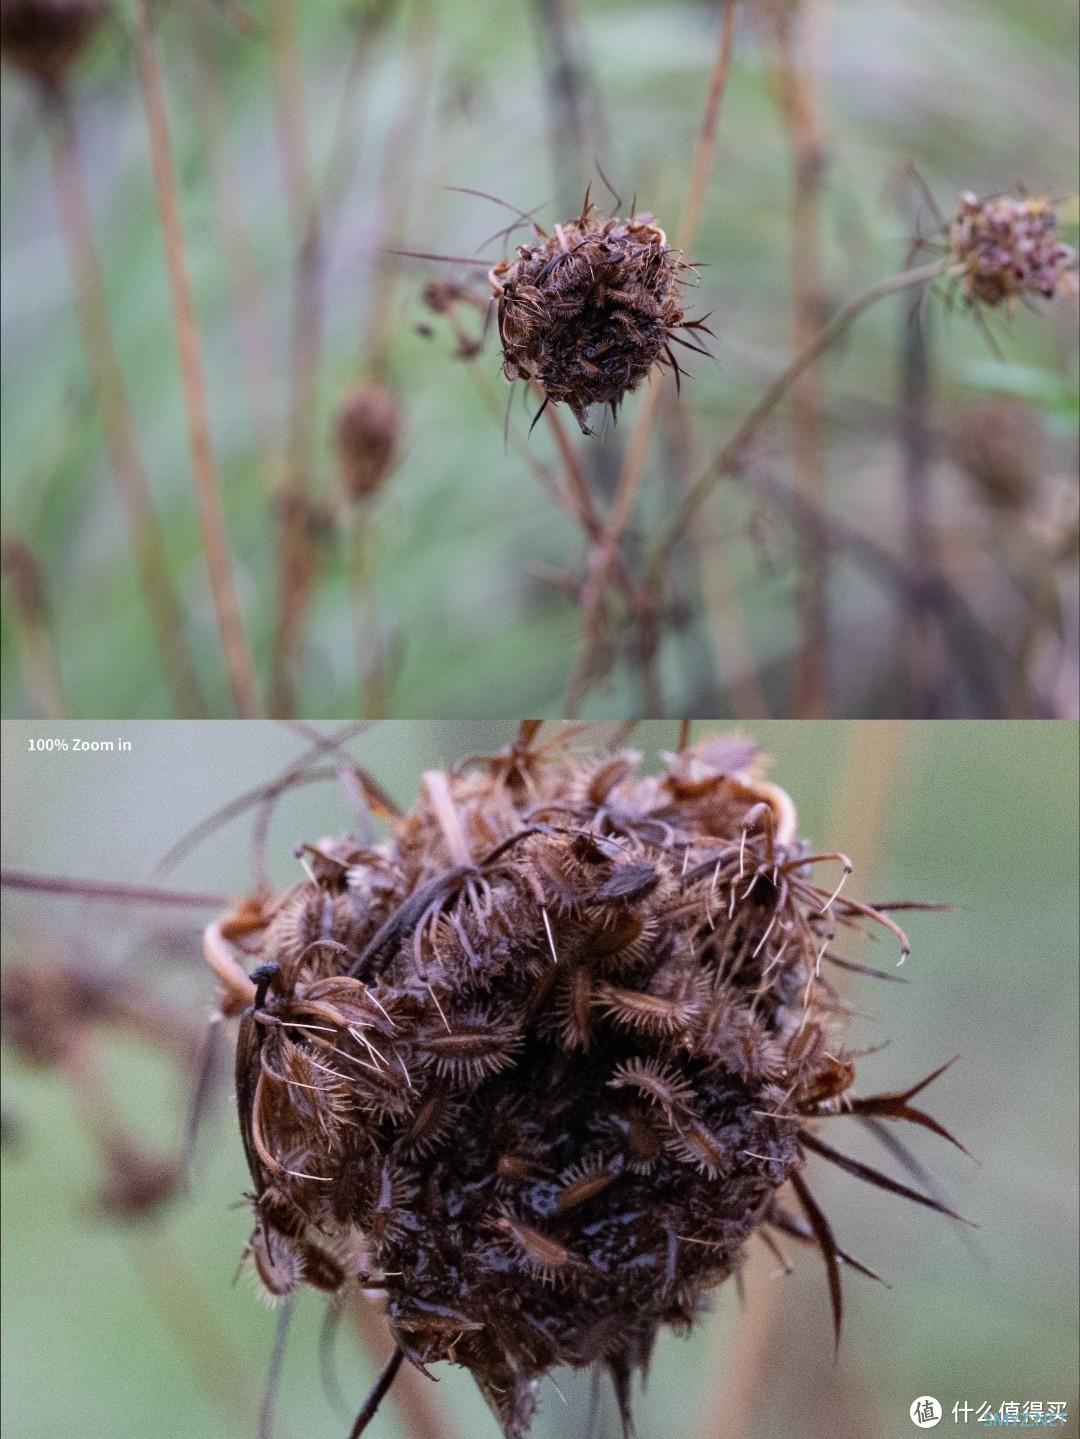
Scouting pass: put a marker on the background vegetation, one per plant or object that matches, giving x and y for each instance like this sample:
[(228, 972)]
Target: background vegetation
[(939, 599), (138, 1329)]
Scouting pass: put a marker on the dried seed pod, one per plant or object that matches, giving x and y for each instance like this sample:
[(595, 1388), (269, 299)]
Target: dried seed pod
[(368, 434), (1007, 246), (552, 1071), (587, 311), (45, 37)]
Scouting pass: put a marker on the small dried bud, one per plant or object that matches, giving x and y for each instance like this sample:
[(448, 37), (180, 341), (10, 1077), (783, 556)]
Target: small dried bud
[(1001, 445), (1007, 246), (45, 37), (589, 310), (544, 1062), (368, 433), (136, 1183)]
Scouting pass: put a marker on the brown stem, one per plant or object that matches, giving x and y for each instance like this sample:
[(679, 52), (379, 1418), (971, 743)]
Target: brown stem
[(603, 557), (799, 61), (211, 518), (118, 422), (369, 651), (113, 893), (730, 456), (395, 193), (238, 251), (867, 783), (564, 79), (299, 553), (290, 113), (43, 681), (915, 441), (176, 1296)]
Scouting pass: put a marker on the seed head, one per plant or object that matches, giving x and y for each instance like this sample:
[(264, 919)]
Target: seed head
[(1007, 246), (45, 37), (541, 1065), (368, 434), (588, 310)]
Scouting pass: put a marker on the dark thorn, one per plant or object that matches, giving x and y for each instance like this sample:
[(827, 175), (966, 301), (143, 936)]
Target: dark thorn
[(874, 1176), (378, 1393), (788, 1224), (539, 412), (610, 187), (827, 1244)]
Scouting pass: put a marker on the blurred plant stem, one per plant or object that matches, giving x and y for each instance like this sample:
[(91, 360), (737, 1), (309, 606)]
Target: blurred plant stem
[(603, 554), (117, 419), (573, 144), (40, 663), (763, 1342), (371, 689), (176, 1297), (731, 456), (299, 508), (916, 447), (800, 40), (254, 331), (239, 664)]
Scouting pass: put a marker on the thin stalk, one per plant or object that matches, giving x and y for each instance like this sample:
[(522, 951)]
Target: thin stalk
[(395, 192), (369, 654), (238, 659), (800, 42), (176, 1296), (238, 251), (290, 113), (43, 680), (730, 456), (564, 79), (422, 1417), (299, 553), (630, 479), (915, 441), (117, 418), (113, 893)]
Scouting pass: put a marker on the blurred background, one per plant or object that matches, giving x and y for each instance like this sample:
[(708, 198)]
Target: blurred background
[(131, 1326), (931, 568)]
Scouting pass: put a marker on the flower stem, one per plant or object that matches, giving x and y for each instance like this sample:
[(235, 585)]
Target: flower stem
[(207, 490)]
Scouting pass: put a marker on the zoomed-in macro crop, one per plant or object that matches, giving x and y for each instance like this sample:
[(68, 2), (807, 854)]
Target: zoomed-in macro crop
[(705, 358), (567, 1077)]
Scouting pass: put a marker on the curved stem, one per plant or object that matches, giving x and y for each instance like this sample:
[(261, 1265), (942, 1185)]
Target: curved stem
[(730, 456)]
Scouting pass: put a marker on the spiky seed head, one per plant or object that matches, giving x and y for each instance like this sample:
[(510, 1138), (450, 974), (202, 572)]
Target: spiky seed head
[(45, 37), (587, 311), (368, 435), (570, 1024), (1007, 246)]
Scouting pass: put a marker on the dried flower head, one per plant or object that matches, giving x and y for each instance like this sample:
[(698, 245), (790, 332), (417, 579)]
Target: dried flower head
[(539, 1066), (588, 310), (45, 37), (1008, 246), (368, 433)]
